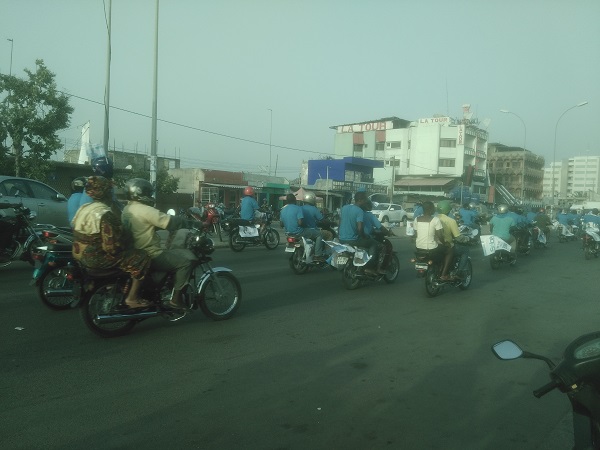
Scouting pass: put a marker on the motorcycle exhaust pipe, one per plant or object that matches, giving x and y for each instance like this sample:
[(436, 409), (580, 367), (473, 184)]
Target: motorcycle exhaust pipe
[(118, 317)]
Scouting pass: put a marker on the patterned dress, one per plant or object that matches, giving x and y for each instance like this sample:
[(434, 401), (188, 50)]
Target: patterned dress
[(99, 242)]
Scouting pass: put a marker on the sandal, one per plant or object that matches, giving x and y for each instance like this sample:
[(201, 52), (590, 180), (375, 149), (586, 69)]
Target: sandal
[(138, 303)]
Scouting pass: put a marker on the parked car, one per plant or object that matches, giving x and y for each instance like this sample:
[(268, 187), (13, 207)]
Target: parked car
[(410, 213), (390, 212), (49, 205)]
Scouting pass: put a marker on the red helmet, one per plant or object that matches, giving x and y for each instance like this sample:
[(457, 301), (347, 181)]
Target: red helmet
[(248, 190)]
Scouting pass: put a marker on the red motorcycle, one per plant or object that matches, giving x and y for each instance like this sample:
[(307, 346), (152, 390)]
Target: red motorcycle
[(209, 217)]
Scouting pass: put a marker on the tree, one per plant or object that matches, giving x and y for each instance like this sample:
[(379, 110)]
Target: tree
[(32, 111), (165, 183)]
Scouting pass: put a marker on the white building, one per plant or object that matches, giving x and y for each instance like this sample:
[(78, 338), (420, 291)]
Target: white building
[(427, 155), (576, 178)]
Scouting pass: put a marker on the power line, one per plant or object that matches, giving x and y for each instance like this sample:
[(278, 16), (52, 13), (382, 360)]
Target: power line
[(190, 127)]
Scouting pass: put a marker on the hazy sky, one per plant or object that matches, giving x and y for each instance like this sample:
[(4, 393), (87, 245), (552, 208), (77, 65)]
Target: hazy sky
[(315, 63)]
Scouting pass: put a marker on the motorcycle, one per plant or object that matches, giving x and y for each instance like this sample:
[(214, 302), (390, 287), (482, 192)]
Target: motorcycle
[(215, 290), (24, 237), (302, 255), (538, 236), (591, 242), (245, 233), (578, 376), (523, 239), (54, 277), (564, 232), (429, 265), (208, 217), (351, 261), (498, 249)]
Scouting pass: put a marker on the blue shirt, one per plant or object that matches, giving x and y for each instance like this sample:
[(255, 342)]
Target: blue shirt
[(350, 216), (311, 216), (468, 216), (73, 204), (371, 223), (591, 218), (249, 205), (531, 216), (501, 224), (519, 220), (563, 219), (289, 216)]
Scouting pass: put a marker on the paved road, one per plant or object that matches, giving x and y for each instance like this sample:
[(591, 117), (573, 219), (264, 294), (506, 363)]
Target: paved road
[(304, 364)]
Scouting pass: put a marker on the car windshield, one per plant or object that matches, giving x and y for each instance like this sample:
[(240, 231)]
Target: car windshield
[(381, 206)]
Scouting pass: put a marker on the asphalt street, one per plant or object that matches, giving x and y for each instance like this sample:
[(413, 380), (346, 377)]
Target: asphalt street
[(304, 364)]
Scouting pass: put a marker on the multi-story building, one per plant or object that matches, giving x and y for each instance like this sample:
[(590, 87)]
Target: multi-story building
[(430, 155), (509, 166), (573, 179)]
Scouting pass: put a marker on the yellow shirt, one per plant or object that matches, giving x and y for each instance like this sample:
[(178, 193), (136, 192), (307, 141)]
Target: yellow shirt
[(141, 221), (450, 229)]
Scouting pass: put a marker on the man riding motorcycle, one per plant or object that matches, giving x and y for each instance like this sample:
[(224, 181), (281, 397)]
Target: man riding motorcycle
[(312, 216), (500, 226), (141, 219), (449, 232)]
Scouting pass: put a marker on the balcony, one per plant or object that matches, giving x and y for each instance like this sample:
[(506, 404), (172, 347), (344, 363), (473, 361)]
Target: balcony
[(481, 154), (470, 151)]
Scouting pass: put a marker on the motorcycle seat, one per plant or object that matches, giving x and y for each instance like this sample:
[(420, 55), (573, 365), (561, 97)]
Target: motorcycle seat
[(103, 273)]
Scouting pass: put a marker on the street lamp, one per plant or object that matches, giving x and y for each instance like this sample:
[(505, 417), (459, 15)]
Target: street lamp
[(524, 144), (270, 135), (554, 154)]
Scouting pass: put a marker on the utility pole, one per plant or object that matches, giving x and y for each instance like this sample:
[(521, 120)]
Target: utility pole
[(107, 87), (393, 164), (153, 140)]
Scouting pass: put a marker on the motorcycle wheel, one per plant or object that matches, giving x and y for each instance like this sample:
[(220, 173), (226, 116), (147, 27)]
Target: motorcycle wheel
[(349, 277), (495, 261), (104, 299), (296, 263), (588, 253), (432, 288), (56, 279), (220, 305), (271, 239), (468, 276), (235, 243), (392, 270)]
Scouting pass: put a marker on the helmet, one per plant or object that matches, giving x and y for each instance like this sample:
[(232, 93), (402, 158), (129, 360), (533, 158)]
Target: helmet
[(78, 184), (472, 205), (502, 209), (595, 211), (542, 210), (199, 243), (140, 190), (248, 190), (102, 166), (310, 198), (444, 206)]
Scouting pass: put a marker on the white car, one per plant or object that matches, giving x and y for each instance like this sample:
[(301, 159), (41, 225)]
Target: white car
[(390, 212)]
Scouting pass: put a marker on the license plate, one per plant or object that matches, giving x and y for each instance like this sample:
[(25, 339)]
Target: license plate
[(419, 266), (341, 260), (290, 249)]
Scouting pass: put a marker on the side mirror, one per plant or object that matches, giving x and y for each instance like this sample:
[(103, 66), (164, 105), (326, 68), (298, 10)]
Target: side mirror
[(507, 350), (61, 198)]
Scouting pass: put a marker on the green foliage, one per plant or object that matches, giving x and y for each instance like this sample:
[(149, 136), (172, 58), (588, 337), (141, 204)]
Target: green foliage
[(165, 183), (32, 111)]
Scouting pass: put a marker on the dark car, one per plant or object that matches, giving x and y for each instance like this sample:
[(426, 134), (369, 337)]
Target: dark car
[(49, 205)]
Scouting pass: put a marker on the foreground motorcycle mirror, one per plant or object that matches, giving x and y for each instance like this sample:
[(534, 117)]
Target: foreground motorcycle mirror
[(507, 350), (171, 212)]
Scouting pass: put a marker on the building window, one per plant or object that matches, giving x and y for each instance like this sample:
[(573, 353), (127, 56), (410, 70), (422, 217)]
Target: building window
[(446, 162), (358, 149), (448, 143), (379, 145), (394, 144), (393, 162)]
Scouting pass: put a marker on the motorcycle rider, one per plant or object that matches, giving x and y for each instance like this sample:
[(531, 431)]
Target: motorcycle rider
[(429, 231), (592, 218), (418, 209), (249, 209), (449, 232), (8, 228), (141, 219), (312, 216), (103, 167), (99, 242), (352, 231), (468, 215), (500, 225), (74, 202), (543, 222)]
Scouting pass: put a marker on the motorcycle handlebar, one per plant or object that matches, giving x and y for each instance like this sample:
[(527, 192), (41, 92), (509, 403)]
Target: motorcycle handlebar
[(546, 388)]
